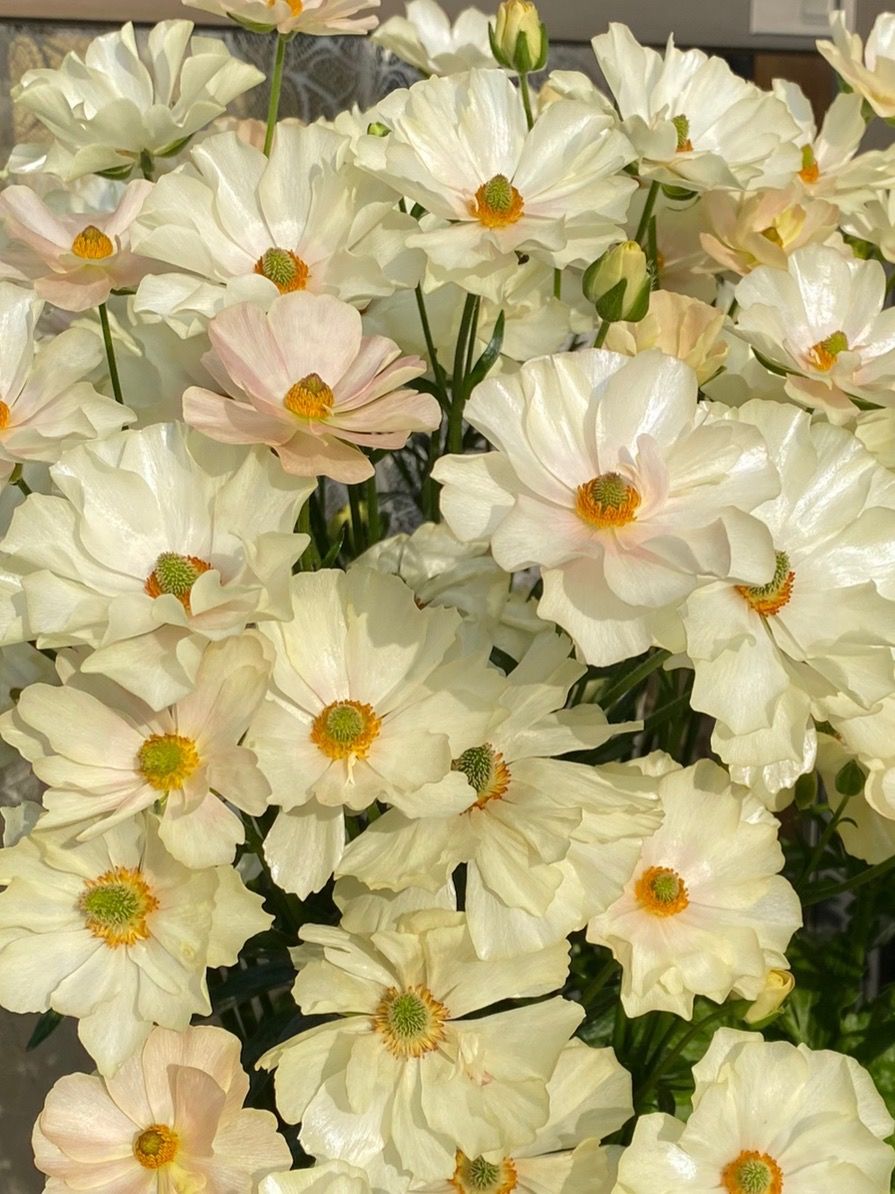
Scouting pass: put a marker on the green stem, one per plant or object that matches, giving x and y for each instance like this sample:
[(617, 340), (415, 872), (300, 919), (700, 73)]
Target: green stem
[(310, 558), (823, 841), (110, 353), (652, 253), (374, 523), (358, 534), (526, 99), (276, 87), (646, 215), (440, 379), (598, 982), (662, 1067), (458, 389), (557, 283), (829, 890), (602, 332), (631, 679)]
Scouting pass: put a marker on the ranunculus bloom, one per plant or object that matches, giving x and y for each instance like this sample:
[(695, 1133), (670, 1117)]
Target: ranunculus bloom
[(428, 40), (305, 380), (172, 1118), (319, 18), (868, 70)]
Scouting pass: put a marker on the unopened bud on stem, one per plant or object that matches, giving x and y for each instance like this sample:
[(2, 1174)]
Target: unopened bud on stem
[(519, 37), (618, 283)]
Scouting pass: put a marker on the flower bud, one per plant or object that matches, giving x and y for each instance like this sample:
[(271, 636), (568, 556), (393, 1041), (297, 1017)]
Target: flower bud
[(519, 38), (378, 129), (778, 985), (618, 283)]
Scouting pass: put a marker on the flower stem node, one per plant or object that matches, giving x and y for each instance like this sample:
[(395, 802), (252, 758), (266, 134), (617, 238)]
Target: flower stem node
[(519, 37), (618, 283)]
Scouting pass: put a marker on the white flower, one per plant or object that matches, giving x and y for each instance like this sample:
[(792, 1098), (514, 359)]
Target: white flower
[(319, 18), (867, 70), (46, 402), (171, 1118), (329, 1177), (460, 146), (822, 320), (73, 255), (692, 121), (401, 1076), (875, 223), (106, 756), (115, 104), (608, 476), (767, 656), (679, 326), (427, 39), (768, 1118), (705, 911), (163, 539), (751, 228), (371, 699), (238, 227), (832, 168), (546, 843), (117, 934), (590, 1096)]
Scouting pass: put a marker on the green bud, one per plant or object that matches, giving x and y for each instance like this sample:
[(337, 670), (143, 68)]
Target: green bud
[(618, 283), (377, 129), (519, 37), (850, 779)]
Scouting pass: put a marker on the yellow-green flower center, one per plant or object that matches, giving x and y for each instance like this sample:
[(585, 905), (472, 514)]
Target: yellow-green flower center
[(345, 728), (607, 501), (661, 891), (810, 171), (310, 398), (115, 906), (824, 353), (92, 244), (488, 774), (410, 1021), (156, 1146), (284, 268), (682, 128), (769, 599), (478, 1176), (175, 574), (166, 761), (497, 203), (752, 1173)]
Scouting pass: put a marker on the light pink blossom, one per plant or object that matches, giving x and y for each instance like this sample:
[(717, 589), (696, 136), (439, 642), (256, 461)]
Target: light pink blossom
[(303, 379)]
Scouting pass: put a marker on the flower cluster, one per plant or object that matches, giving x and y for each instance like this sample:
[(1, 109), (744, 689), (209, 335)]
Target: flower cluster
[(447, 616)]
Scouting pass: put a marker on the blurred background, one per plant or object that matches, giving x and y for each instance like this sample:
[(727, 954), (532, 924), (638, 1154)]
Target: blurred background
[(761, 39)]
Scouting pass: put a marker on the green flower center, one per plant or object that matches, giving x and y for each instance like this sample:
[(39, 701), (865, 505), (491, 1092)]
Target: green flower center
[(175, 574), (487, 773), (769, 599), (498, 192), (113, 905), (284, 268), (478, 1176), (167, 760), (682, 128)]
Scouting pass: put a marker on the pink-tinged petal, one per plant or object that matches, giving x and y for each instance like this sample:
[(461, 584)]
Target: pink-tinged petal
[(309, 456), (76, 292), (198, 1103), (120, 220), (400, 410), (83, 1122), (232, 422), (249, 349), (317, 334), (29, 218)]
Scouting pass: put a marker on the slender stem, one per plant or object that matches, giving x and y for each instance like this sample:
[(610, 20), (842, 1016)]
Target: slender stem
[(358, 535), (310, 557), (458, 389), (276, 86), (557, 283), (473, 329), (674, 1053), (823, 841), (374, 523), (110, 353), (602, 333), (646, 215), (631, 679), (829, 890), (598, 982), (440, 379), (526, 99)]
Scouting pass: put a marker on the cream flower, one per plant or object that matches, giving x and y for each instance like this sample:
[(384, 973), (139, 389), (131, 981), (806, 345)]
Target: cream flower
[(106, 756), (768, 656), (590, 1097), (763, 227), (319, 18), (329, 1177), (822, 321), (832, 168), (866, 833), (692, 121), (116, 104), (401, 1076), (172, 1118), (46, 402), (73, 259), (428, 40), (705, 911), (371, 699), (546, 843), (117, 934), (679, 326), (768, 1117), (867, 70), (240, 228), (609, 477), (305, 380), (461, 148), (874, 222), (162, 541)]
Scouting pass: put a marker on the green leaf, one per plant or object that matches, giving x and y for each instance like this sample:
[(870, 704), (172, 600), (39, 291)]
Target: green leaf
[(46, 1026), (335, 549), (488, 357)]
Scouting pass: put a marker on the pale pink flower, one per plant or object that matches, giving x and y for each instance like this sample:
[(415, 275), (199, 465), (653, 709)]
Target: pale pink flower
[(172, 1118), (73, 259), (303, 379)]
